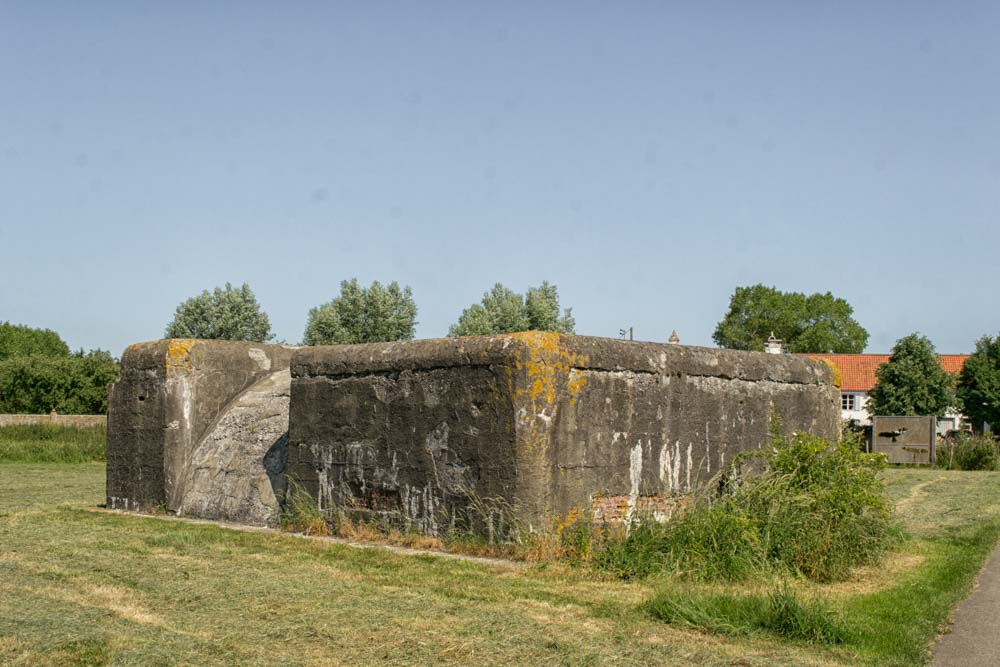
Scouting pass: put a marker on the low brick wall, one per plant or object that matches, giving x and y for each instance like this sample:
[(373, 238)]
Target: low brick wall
[(75, 421)]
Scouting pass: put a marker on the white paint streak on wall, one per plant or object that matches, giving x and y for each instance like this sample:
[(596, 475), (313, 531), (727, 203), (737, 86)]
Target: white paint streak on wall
[(665, 465), (186, 394), (689, 463), (675, 480), (635, 476), (708, 452)]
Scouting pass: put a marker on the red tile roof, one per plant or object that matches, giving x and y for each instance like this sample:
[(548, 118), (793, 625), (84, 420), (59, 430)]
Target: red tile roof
[(857, 371)]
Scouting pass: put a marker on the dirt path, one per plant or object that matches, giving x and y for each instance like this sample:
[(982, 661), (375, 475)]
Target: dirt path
[(974, 640)]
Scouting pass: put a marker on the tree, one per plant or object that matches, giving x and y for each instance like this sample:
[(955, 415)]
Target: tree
[(18, 340), (230, 313), (979, 384), (72, 384), (912, 382), (372, 314), (505, 311), (814, 323)]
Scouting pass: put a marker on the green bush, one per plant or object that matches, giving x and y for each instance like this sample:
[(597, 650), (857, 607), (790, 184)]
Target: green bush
[(45, 443), (968, 452), (19, 340), (817, 510), (75, 384), (820, 509)]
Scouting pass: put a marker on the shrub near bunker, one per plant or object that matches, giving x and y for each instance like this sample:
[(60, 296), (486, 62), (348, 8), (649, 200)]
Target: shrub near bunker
[(817, 509), (969, 452)]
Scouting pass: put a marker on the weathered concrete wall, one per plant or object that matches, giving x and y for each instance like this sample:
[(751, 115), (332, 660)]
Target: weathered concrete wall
[(71, 421), (414, 432), (199, 426)]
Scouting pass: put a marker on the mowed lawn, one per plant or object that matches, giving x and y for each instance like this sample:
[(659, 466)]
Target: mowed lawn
[(84, 587)]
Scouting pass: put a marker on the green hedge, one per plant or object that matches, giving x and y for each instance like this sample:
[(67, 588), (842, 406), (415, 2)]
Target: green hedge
[(74, 385)]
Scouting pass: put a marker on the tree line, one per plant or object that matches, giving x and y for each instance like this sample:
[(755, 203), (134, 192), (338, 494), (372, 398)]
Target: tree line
[(38, 373), (374, 314), (913, 382)]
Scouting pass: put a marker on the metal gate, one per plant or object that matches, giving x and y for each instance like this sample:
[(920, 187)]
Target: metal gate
[(905, 439)]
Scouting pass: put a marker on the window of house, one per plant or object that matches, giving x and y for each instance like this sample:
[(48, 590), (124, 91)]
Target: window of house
[(847, 401)]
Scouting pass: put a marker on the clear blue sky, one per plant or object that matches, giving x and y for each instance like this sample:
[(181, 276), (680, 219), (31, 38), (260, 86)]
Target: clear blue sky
[(645, 157)]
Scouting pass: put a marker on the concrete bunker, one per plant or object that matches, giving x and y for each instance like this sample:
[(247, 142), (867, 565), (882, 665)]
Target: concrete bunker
[(200, 427), (517, 429), (536, 424)]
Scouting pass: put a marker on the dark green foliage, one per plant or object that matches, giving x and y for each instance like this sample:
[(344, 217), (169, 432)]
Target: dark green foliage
[(813, 323), (912, 382), (230, 313), (505, 311), (709, 542), (52, 444), (969, 453), (781, 613), (817, 510), (373, 314), (979, 384), (821, 509), (75, 384), (18, 340)]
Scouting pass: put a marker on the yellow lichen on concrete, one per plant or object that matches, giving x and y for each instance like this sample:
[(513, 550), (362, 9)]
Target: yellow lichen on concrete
[(833, 367), (142, 346), (547, 363), (543, 366), (179, 355), (577, 381)]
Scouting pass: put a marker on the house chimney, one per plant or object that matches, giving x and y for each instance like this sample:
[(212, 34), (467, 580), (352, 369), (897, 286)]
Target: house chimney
[(674, 338), (774, 345)]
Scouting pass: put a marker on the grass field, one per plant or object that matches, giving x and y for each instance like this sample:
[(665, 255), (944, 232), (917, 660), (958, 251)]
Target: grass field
[(46, 443), (81, 587)]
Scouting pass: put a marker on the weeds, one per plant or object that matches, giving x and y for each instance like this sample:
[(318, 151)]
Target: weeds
[(817, 510), (804, 507), (969, 452), (300, 512), (780, 612)]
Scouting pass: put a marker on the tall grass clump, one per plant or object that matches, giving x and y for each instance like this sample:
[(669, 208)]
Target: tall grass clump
[(813, 508), (300, 512), (50, 443), (781, 612), (969, 452)]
